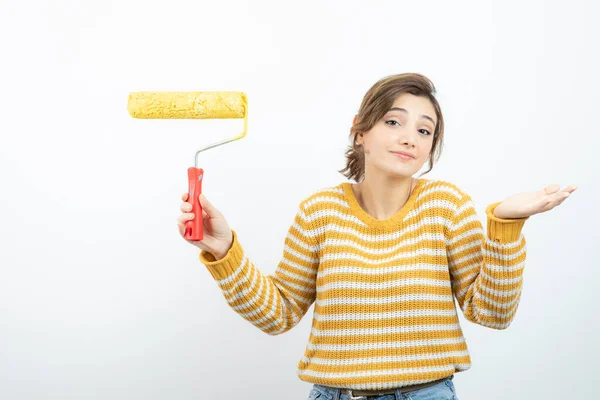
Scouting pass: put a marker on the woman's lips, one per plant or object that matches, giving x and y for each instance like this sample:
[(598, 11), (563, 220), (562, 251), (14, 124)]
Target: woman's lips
[(403, 156)]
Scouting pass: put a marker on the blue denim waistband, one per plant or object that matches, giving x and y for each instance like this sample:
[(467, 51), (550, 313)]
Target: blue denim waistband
[(333, 393)]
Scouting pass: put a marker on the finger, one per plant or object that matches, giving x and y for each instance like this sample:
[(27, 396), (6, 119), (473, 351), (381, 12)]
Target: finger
[(565, 195), (183, 218), (562, 195), (553, 205), (543, 204), (544, 200), (557, 199), (181, 221), (184, 196), (570, 189), (181, 228), (186, 207)]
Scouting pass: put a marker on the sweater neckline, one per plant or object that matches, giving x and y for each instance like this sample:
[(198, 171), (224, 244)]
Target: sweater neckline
[(388, 222)]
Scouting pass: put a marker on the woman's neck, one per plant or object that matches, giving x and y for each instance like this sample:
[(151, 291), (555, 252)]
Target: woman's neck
[(383, 198)]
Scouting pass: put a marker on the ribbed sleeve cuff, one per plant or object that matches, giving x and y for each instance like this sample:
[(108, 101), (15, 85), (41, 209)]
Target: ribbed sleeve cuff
[(503, 230), (223, 268)]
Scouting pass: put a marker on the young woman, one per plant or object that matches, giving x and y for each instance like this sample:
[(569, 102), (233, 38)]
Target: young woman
[(383, 259)]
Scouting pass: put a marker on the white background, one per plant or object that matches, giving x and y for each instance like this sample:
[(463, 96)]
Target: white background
[(100, 298)]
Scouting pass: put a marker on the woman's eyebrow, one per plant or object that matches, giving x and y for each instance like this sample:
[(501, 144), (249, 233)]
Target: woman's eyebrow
[(405, 111)]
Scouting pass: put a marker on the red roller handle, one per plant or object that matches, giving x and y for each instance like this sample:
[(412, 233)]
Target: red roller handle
[(193, 228)]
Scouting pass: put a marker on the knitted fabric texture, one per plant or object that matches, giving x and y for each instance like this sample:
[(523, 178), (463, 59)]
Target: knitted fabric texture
[(383, 290)]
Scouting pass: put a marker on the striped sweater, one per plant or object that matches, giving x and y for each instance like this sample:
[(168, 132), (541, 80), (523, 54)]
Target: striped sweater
[(384, 290)]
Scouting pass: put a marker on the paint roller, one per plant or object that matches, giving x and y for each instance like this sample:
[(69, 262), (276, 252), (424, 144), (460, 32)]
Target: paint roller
[(191, 105)]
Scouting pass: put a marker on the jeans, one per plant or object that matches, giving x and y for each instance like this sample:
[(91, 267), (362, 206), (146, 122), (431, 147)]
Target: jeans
[(443, 390)]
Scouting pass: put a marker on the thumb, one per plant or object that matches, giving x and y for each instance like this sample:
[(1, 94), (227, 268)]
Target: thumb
[(211, 211), (551, 189)]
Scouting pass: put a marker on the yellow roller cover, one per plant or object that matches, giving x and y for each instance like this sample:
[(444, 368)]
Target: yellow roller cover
[(187, 105)]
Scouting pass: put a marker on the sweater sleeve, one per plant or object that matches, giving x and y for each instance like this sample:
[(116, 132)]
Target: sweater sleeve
[(273, 303), (486, 270)]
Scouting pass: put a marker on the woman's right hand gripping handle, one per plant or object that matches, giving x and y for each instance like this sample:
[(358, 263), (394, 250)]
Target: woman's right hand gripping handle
[(218, 237)]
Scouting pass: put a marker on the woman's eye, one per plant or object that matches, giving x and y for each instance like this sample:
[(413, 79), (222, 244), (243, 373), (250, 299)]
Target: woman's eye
[(425, 130)]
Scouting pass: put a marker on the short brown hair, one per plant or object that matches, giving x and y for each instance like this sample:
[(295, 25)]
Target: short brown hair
[(376, 103)]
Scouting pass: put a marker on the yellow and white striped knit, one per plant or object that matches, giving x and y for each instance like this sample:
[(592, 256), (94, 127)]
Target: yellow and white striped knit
[(384, 290)]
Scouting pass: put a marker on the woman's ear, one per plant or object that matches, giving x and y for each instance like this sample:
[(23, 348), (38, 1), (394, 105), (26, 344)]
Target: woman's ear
[(354, 120), (358, 141)]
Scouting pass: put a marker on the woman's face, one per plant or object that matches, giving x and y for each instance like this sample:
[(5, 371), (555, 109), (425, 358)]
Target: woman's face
[(406, 127)]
